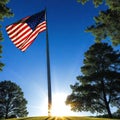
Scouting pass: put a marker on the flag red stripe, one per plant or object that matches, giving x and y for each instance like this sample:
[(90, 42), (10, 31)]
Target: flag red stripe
[(17, 31), (35, 33), (23, 33), (20, 33), (21, 36), (18, 42), (26, 46), (14, 28), (27, 43)]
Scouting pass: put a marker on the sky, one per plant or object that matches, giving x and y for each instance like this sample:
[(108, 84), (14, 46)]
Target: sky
[(67, 21)]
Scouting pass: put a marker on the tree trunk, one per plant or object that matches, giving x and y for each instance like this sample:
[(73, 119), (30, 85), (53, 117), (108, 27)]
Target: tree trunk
[(6, 114), (108, 110), (105, 100)]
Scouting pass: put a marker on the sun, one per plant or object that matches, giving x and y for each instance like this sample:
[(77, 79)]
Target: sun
[(59, 107)]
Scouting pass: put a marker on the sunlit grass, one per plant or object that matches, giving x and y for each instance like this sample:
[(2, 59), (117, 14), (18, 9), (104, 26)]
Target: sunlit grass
[(61, 118)]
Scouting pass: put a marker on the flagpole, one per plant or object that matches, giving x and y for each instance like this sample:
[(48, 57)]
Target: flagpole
[(48, 71)]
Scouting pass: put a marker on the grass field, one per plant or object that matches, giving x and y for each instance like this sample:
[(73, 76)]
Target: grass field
[(61, 118)]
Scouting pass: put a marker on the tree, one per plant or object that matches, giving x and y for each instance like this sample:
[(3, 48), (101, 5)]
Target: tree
[(117, 113), (4, 12), (107, 23), (98, 89), (12, 101)]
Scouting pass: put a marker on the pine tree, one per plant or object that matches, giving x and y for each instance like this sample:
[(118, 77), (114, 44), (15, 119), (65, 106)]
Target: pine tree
[(12, 101), (98, 89), (4, 12), (107, 23)]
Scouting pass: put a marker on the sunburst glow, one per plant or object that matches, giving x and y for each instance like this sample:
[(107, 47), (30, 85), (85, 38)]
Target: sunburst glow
[(59, 107)]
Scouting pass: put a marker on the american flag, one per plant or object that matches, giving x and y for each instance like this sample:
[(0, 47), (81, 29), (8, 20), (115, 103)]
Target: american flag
[(24, 32)]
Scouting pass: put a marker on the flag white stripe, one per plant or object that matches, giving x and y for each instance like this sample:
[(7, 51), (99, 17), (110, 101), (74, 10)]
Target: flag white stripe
[(30, 41), (17, 30), (26, 45), (13, 27), (20, 39), (22, 34), (35, 32)]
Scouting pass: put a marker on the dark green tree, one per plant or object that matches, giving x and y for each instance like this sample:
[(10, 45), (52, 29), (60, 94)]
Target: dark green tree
[(117, 113), (107, 23), (4, 12), (98, 89), (12, 101)]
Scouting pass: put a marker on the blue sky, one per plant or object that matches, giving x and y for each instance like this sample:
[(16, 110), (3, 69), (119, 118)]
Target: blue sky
[(67, 21)]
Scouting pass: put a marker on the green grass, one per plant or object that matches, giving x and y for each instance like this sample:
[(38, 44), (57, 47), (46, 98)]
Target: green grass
[(61, 118)]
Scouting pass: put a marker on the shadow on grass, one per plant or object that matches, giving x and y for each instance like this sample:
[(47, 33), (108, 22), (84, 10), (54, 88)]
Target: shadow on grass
[(48, 118), (35, 118), (57, 118), (23, 118), (67, 118)]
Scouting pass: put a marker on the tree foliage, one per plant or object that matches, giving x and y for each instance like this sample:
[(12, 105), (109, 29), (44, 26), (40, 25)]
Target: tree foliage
[(12, 101), (98, 89), (107, 23), (117, 113), (4, 12)]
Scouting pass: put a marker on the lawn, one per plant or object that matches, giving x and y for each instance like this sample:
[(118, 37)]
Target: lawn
[(61, 118)]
